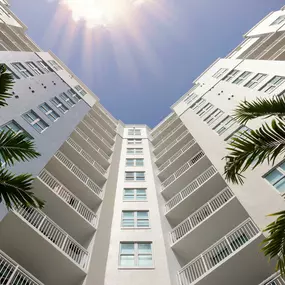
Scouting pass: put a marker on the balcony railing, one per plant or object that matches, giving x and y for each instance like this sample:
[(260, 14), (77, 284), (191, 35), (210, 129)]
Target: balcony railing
[(55, 234), (158, 132), (275, 279), (176, 155), (185, 133), (86, 156), (200, 215), (223, 249), (79, 174), (67, 196), (97, 134), (12, 273), (101, 114), (160, 142), (92, 144), (182, 169)]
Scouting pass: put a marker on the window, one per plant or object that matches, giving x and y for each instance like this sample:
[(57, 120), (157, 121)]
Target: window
[(134, 176), (225, 124), (220, 72), (14, 127), (190, 98), (198, 103), (277, 177), (213, 116), (74, 95), (54, 65), (8, 70), (272, 84), (134, 132), (138, 194), (45, 108), (35, 69), (278, 21), (35, 121), (255, 80), (135, 219), (134, 141), (44, 66), (65, 98), (3, 11), (21, 68), (242, 77), (205, 109), (57, 103), (80, 90), (134, 151), (231, 75), (239, 133), (136, 254), (134, 162)]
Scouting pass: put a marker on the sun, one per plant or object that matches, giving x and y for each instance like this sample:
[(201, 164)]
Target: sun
[(101, 12)]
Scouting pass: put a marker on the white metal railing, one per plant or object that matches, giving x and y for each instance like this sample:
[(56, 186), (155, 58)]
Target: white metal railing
[(55, 234), (11, 273), (158, 132), (161, 141), (92, 144), (97, 134), (201, 214), (79, 173), (182, 169), (213, 256), (176, 155), (101, 114), (184, 134), (190, 188), (274, 279), (67, 196), (87, 157)]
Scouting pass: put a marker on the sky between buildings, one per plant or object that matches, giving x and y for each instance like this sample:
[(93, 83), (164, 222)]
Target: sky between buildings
[(141, 66)]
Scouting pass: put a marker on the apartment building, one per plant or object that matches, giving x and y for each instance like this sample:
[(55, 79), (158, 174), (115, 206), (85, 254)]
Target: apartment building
[(126, 204)]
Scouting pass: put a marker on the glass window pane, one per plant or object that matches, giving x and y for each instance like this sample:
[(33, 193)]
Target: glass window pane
[(144, 248), (128, 214), (127, 260), (127, 248), (142, 223), (273, 176), (142, 214), (144, 260), (280, 186), (128, 223)]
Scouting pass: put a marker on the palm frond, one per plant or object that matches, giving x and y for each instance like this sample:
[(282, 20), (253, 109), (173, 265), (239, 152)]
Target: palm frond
[(6, 83), (15, 191), (16, 147), (274, 244), (253, 148), (261, 107)]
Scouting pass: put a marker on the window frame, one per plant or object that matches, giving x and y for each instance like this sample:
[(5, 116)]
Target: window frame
[(59, 105), (74, 95), (34, 68), (135, 176), (54, 65), (80, 90), (7, 127), (35, 121), (134, 132), (231, 75), (213, 116), (67, 99), (135, 218), (44, 66), (135, 160), (134, 151), (20, 67), (51, 114), (279, 169), (224, 125), (134, 141), (252, 83), (268, 85), (279, 20), (220, 72), (242, 77), (135, 195)]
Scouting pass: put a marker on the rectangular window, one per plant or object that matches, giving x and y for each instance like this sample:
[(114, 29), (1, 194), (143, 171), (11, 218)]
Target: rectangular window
[(22, 69), (190, 98), (65, 98), (213, 116), (134, 151), (134, 132), (134, 141), (225, 124), (44, 66), (205, 109), (134, 176), (272, 84), (278, 21), (49, 112), (135, 194), (255, 80), (35, 121), (55, 65), (277, 177), (80, 90), (8, 70), (242, 77), (231, 75), (34, 68), (220, 72), (57, 103), (136, 254), (135, 219), (134, 162), (15, 128), (238, 133), (73, 95), (198, 104)]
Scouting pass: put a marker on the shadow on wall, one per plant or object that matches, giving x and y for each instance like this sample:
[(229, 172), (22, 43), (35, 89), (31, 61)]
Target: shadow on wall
[(3, 211)]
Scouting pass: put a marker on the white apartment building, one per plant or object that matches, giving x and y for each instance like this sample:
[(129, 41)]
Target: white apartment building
[(126, 204)]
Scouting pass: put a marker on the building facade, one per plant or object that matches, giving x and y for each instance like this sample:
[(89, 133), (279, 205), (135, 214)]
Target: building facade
[(126, 204)]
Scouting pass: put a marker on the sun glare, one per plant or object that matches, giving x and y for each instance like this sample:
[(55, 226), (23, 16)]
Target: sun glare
[(101, 12)]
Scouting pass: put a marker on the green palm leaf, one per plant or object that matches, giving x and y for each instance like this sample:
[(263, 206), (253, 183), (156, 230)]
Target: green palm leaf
[(6, 83), (262, 107), (253, 148), (16, 147), (274, 244), (15, 191)]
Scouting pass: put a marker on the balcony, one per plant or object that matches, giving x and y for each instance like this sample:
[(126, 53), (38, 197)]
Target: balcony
[(274, 279), (194, 195), (206, 223), (163, 143), (178, 159), (65, 208), (186, 173), (42, 247), (74, 179), (11, 273), (84, 161), (103, 118), (235, 259)]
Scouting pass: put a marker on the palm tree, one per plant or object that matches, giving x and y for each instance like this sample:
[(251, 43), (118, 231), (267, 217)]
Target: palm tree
[(15, 190), (252, 148)]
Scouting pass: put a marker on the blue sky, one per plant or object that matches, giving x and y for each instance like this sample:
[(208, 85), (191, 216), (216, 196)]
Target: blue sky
[(139, 68)]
